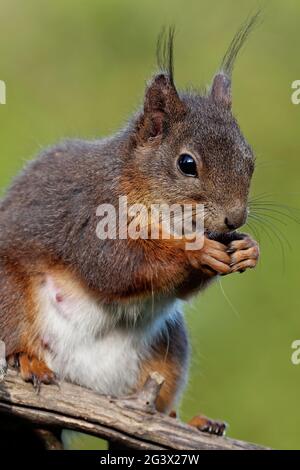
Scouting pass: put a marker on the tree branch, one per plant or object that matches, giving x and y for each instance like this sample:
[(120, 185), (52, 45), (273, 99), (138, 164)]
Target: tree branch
[(130, 421)]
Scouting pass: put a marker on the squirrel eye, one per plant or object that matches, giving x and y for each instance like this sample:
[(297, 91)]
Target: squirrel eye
[(187, 165)]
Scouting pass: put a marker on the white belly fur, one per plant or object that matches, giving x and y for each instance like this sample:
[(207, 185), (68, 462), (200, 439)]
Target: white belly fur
[(84, 344)]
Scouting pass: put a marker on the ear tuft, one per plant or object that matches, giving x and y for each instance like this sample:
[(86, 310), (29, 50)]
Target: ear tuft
[(162, 103), (165, 52), (221, 89)]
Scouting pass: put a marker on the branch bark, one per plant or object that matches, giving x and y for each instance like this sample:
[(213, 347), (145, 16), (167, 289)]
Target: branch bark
[(131, 421)]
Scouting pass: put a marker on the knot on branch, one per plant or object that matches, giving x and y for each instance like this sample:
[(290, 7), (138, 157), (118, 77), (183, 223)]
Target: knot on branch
[(145, 399)]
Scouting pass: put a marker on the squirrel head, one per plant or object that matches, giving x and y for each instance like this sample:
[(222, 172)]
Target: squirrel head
[(188, 147)]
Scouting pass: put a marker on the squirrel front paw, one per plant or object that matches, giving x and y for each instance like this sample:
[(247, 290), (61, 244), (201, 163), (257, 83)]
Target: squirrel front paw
[(212, 258), (244, 253), (216, 257)]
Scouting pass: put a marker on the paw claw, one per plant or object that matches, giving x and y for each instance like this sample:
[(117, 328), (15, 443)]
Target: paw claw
[(214, 427), (36, 384)]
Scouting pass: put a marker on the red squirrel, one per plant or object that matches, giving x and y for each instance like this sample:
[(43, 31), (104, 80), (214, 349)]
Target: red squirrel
[(105, 313)]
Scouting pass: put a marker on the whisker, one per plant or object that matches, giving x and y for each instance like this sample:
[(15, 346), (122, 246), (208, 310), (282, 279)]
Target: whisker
[(253, 229), (235, 311), (281, 245), (275, 204), (273, 226), (270, 216), (278, 205), (260, 196), (275, 208), (277, 234), (262, 227)]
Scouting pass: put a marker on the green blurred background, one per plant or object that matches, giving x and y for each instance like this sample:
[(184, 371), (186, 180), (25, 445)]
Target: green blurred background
[(76, 68)]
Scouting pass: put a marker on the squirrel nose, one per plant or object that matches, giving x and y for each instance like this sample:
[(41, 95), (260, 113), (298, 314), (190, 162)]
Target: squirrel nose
[(235, 219)]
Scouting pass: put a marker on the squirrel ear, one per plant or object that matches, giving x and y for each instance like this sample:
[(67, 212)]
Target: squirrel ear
[(221, 89), (161, 104), (161, 96)]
